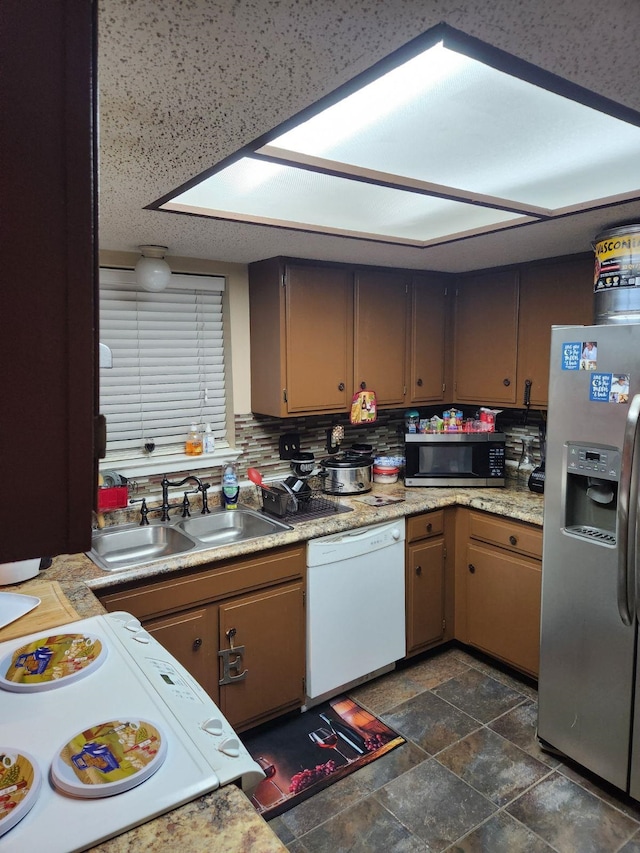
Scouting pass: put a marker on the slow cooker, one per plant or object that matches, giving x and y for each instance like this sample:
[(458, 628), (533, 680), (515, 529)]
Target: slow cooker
[(346, 473)]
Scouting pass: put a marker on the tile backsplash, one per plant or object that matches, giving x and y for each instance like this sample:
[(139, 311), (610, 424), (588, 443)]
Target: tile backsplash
[(257, 438)]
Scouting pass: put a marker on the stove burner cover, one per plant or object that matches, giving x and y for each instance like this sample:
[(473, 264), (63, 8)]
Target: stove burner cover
[(51, 661), (109, 758), (20, 780)]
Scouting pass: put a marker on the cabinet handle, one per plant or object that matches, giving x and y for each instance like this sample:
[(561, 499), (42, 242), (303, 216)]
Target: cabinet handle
[(419, 383), (506, 382), (197, 643), (472, 568), (429, 527), (341, 386), (363, 385), (418, 570), (513, 540)]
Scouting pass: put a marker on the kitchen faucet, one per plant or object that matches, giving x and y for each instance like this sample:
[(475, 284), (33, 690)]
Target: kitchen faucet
[(166, 506)]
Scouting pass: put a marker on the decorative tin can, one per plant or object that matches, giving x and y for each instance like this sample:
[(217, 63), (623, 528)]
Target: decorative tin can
[(617, 275)]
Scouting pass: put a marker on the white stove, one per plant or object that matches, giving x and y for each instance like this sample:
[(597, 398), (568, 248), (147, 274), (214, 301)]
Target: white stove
[(101, 729)]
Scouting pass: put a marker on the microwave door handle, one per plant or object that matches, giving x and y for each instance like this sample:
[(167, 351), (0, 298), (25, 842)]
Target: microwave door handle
[(626, 534)]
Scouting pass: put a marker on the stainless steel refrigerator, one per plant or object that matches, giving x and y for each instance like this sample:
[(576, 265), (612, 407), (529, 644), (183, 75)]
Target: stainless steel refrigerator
[(589, 690)]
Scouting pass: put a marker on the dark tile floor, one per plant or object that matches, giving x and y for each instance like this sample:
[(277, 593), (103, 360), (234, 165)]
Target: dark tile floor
[(470, 779)]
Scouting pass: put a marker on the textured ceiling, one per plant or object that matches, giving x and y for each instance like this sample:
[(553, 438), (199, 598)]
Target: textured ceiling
[(184, 84)]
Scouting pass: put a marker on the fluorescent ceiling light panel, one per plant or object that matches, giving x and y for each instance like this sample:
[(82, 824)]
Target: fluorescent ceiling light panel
[(436, 147)]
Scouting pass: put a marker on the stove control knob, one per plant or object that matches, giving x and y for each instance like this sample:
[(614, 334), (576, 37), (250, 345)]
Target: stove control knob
[(133, 625), (212, 726), (231, 747), (142, 637)]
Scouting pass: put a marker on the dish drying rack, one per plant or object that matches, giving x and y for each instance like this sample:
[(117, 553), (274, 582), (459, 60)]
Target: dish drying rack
[(279, 500)]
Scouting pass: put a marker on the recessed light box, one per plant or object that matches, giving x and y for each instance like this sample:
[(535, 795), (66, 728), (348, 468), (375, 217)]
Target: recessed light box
[(446, 138)]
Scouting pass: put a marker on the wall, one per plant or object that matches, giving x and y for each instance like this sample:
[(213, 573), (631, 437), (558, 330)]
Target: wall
[(257, 436)]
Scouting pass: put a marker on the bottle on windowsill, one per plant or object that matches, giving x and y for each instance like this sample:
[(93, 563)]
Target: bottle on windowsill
[(209, 440), (193, 444)]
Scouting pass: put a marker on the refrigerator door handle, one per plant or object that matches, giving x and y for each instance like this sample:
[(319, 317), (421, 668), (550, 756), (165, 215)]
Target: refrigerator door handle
[(626, 533)]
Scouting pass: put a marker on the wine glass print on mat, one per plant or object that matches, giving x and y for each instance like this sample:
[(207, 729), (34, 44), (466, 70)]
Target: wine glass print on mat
[(327, 739)]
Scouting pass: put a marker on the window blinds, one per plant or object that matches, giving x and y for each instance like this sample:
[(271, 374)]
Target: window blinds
[(168, 361)]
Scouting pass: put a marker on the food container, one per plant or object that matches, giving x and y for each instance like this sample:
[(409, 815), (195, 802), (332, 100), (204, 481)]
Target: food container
[(385, 474)]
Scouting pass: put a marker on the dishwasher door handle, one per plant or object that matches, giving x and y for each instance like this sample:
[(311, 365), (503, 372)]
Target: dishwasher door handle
[(365, 531)]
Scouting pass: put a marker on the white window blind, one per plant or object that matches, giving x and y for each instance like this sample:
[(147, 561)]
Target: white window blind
[(168, 361)]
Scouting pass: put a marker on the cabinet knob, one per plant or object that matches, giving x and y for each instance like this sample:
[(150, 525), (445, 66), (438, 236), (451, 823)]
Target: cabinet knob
[(472, 568), (506, 382), (418, 570), (419, 383), (513, 540), (363, 385), (197, 643), (341, 386), (429, 527)]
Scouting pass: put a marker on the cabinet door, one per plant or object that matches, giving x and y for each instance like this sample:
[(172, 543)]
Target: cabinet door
[(270, 627), (503, 606), (555, 294), (486, 323), (380, 335), (49, 263), (427, 337), (425, 593), (319, 322), (192, 638)]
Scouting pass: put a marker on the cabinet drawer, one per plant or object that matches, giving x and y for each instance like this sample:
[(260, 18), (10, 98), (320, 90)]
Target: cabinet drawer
[(425, 525), (198, 587), (514, 535)]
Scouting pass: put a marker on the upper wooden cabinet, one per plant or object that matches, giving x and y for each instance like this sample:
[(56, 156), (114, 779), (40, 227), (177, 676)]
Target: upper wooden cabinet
[(301, 338), (48, 384), (380, 334), (486, 329), (554, 294), (503, 326), (428, 326)]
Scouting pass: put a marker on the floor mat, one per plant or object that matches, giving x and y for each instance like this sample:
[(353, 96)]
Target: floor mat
[(309, 752)]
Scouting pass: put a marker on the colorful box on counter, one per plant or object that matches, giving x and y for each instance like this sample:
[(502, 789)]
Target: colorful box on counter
[(112, 497)]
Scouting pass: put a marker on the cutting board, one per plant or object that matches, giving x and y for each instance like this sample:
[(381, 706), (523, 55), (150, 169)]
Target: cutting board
[(54, 609)]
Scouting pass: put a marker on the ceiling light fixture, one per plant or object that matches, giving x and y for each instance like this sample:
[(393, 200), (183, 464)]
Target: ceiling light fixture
[(444, 139), (153, 273)]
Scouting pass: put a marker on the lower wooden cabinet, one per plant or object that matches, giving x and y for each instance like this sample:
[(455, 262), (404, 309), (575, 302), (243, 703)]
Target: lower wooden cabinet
[(426, 581), (237, 626), (269, 673), (498, 582)]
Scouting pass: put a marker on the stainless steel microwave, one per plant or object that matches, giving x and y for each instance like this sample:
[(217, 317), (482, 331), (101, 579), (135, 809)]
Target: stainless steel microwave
[(454, 459)]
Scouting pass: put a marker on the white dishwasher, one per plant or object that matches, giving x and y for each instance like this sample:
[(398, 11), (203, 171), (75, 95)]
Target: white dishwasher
[(355, 606)]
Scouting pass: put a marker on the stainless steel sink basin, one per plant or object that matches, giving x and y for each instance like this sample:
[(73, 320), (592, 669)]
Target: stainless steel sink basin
[(117, 548), (226, 526)]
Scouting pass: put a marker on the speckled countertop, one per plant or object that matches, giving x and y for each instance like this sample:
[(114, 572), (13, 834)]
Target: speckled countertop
[(224, 821), (512, 502)]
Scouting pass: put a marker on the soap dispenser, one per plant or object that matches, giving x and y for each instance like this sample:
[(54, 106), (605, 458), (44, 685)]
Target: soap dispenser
[(209, 439), (193, 444), (230, 488)]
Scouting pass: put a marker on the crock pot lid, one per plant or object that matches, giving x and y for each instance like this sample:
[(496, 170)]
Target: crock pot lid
[(347, 459)]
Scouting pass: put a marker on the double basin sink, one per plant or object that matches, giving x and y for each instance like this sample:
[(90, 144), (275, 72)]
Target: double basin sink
[(130, 545)]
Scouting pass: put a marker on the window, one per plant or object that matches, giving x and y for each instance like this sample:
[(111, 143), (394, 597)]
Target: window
[(168, 364)]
